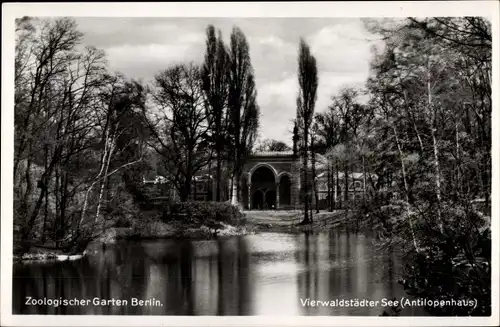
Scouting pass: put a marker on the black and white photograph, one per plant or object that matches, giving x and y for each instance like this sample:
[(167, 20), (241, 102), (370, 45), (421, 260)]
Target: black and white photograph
[(258, 162)]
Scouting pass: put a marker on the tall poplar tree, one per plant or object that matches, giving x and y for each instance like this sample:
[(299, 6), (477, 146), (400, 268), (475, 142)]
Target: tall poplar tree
[(243, 108), (306, 100), (215, 77)]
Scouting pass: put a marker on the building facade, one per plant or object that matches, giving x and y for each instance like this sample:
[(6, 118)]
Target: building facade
[(271, 181)]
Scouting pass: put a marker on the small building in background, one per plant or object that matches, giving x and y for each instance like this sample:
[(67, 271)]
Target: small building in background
[(270, 181)]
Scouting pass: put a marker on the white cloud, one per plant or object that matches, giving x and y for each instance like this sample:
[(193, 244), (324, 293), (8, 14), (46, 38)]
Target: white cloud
[(341, 48), (277, 102), (142, 47), (273, 41), (330, 84), (281, 90), (343, 57), (144, 61)]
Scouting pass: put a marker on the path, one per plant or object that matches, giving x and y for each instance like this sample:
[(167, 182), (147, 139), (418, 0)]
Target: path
[(288, 220)]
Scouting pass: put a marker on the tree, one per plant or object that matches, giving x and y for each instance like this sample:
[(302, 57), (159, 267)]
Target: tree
[(295, 137), (215, 77), (470, 40), (430, 91), (306, 100), (348, 116), (180, 132), (327, 139), (270, 145), (56, 85), (313, 148), (243, 108)]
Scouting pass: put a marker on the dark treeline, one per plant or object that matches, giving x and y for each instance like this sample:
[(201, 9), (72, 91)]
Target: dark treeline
[(85, 137), (271, 145), (422, 141)]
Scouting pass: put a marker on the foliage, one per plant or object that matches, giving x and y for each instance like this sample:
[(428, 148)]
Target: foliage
[(306, 100), (456, 266), (206, 211), (422, 141), (272, 146), (215, 78), (76, 125), (180, 129), (242, 106)]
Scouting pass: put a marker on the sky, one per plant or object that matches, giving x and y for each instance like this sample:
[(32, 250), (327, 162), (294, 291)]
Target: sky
[(143, 47)]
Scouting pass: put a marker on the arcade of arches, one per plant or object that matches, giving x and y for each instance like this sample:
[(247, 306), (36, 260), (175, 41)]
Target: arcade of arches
[(268, 182), (267, 191)]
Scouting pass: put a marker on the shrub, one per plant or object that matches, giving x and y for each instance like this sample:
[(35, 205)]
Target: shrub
[(122, 221), (205, 211), (454, 264)]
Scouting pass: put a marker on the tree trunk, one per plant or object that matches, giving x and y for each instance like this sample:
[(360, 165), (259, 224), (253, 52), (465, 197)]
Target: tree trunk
[(34, 213), (353, 188), (98, 177), (195, 192), (437, 179), (208, 183), (437, 176), (186, 190), (219, 177), (57, 187), (403, 171), (108, 195), (46, 210), (29, 185), (336, 182), (62, 215), (329, 186), (458, 163), (415, 128), (364, 177), (346, 183), (313, 172), (311, 212), (103, 183), (239, 190), (234, 190), (305, 186)]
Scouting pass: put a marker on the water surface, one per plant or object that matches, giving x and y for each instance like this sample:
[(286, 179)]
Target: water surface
[(261, 274)]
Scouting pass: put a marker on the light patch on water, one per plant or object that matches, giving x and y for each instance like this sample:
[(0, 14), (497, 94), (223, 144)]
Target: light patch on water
[(276, 299), (205, 248), (272, 271), (271, 242)]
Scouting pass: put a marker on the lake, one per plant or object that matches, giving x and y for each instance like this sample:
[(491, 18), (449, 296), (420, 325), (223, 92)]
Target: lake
[(260, 274)]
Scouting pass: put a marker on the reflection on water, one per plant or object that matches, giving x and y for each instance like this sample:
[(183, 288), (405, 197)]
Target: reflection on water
[(263, 274)]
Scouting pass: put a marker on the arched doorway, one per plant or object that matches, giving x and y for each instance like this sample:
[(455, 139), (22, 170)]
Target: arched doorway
[(270, 200), (285, 191), (263, 185), (258, 200)]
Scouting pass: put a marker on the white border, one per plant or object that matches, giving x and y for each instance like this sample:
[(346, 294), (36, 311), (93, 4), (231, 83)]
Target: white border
[(277, 9)]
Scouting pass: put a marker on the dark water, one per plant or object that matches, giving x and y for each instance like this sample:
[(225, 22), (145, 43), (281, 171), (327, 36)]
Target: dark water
[(263, 274)]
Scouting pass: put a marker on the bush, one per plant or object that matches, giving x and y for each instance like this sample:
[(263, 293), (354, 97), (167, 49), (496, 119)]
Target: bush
[(452, 265), (204, 211), (122, 221)]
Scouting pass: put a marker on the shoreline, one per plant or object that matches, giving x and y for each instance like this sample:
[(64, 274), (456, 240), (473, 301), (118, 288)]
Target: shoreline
[(254, 222)]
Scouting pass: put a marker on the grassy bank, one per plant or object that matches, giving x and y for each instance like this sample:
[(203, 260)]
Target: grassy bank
[(288, 221), (153, 225), (192, 229), (187, 220)]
